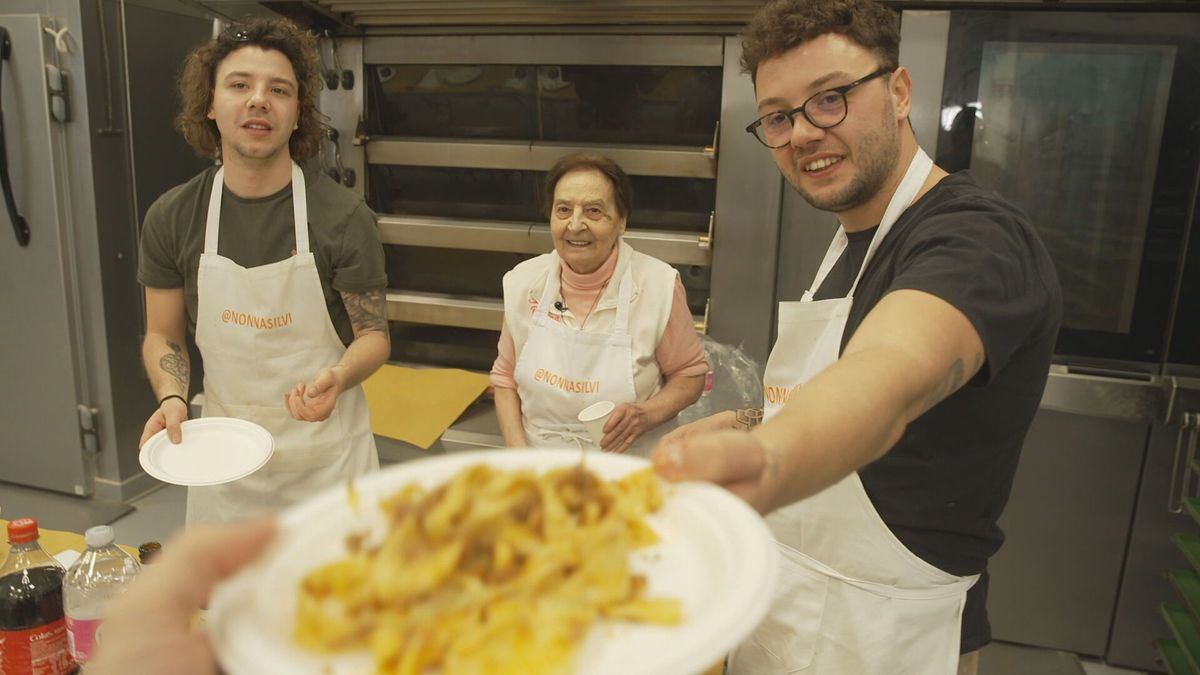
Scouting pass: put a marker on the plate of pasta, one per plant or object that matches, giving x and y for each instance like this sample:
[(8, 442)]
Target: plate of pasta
[(497, 562)]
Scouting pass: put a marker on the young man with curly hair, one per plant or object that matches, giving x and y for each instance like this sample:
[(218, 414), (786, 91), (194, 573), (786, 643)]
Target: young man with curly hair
[(901, 385), (276, 271)]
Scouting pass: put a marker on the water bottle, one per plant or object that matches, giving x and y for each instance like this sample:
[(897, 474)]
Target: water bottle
[(103, 572), (33, 635)]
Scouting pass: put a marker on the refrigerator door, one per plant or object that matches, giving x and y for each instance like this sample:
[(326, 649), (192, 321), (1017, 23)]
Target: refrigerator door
[(40, 389)]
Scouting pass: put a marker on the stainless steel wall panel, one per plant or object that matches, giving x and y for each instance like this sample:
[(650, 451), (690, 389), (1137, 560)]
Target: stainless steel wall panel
[(746, 230), (671, 247), (923, 38), (639, 160), (1054, 582), (616, 50), (44, 356)]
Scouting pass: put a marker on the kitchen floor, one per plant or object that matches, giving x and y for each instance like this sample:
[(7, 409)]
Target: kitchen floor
[(160, 513)]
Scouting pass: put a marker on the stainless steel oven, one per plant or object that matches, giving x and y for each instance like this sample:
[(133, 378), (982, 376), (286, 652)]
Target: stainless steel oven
[(1089, 120), (457, 131)]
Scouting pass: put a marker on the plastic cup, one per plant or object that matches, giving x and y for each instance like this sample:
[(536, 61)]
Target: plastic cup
[(594, 416)]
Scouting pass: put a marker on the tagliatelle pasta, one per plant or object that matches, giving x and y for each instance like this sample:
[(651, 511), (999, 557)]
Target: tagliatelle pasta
[(495, 572)]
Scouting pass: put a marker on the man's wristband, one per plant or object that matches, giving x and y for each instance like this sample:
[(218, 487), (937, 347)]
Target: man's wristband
[(171, 396)]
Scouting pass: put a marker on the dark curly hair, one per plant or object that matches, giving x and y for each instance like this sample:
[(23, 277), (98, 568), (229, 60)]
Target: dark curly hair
[(581, 161), (783, 24), (197, 82)]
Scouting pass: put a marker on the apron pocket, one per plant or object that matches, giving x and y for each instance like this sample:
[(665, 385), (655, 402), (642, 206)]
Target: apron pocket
[(786, 640), (879, 632)]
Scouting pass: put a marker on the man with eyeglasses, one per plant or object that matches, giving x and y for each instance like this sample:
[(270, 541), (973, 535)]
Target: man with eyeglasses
[(276, 271), (901, 385)]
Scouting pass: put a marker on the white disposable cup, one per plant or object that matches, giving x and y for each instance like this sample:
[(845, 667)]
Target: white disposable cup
[(594, 416)]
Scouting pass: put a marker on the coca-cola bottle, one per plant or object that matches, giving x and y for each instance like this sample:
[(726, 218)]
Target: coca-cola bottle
[(33, 632)]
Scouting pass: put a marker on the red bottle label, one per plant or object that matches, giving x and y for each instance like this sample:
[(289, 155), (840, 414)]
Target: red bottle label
[(36, 651), (83, 635)]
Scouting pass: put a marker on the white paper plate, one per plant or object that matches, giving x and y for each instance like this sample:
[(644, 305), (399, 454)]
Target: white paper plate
[(716, 555), (214, 450)]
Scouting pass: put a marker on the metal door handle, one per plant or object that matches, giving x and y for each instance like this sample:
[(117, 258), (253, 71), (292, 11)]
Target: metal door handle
[(20, 227), (1189, 429)]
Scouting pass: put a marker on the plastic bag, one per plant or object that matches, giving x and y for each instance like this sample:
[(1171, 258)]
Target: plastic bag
[(735, 381)]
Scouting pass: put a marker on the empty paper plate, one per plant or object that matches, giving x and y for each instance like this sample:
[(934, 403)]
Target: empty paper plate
[(214, 450)]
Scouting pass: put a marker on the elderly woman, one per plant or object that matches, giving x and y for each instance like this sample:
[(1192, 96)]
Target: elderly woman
[(594, 320)]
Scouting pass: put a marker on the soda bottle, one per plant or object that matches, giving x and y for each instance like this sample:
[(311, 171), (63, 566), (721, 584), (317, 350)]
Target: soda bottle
[(33, 633), (149, 551), (103, 572)]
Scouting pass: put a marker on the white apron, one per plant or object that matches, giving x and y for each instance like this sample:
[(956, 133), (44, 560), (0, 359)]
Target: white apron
[(260, 330), (852, 599), (562, 370)]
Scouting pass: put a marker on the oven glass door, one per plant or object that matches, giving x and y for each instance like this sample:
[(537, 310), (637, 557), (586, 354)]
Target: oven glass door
[(1088, 122)]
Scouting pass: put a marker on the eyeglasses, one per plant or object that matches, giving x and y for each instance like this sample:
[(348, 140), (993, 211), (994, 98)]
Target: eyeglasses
[(235, 33), (823, 110)]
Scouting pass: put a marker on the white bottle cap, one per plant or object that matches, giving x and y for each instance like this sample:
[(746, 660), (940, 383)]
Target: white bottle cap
[(100, 535)]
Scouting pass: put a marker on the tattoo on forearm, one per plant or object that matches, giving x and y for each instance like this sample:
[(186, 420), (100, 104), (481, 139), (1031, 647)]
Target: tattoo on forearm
[(749, 417), (366, 310), (175, 364)]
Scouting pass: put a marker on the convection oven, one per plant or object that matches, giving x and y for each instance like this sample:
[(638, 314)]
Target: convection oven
[(449, 137), (1089, 120)]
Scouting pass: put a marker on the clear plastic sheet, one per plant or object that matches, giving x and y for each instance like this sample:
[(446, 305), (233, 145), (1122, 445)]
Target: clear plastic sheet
[(735, 382)]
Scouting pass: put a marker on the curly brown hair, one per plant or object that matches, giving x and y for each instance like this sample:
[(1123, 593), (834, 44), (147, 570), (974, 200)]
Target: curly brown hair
[(622, 187), (783, 24), (198, 79)]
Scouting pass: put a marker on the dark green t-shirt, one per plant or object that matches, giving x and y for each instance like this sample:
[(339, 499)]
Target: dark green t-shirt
[(342, 234)]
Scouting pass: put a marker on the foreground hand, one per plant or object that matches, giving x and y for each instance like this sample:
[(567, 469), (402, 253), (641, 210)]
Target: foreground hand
[(626, 424), (150, 628), (735, 460), (721, 421), (314, 402), (170, 414)]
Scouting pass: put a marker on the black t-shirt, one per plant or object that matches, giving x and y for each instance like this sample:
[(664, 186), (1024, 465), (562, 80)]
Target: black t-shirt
[(943, 486)]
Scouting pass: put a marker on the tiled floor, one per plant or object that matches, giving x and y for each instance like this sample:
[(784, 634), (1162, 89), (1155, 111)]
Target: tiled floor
[(155, 517)]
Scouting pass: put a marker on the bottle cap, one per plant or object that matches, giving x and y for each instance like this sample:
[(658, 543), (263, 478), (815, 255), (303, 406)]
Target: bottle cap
[(100, 535), (22, 531), (148, 551)]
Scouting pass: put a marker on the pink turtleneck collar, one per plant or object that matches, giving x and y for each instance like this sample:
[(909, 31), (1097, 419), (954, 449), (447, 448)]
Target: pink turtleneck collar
[(580, 291)]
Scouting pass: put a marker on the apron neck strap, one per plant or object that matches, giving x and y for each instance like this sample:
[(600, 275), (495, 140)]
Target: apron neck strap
[(300, 208), (624, 295), (906, 193), (212, 229)]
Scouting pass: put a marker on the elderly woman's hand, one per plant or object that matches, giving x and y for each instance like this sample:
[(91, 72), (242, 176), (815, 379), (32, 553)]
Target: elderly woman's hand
[(626, 424)]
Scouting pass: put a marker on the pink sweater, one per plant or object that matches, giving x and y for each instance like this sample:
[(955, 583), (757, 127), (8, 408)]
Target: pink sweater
[(679, 352)]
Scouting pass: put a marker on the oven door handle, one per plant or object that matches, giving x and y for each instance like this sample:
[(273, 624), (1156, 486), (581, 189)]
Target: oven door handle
[(20, 227)]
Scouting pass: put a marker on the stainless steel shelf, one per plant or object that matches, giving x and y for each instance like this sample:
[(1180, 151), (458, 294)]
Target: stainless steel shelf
[(441, 309), (478, 235), (555, 50), (638, 160), (464, 311)]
